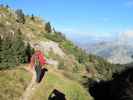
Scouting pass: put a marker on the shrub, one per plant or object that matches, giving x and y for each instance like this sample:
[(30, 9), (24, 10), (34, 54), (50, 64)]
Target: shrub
[(48, 27), (29, 51), (13, 51), (20, 16), (32, 17), (57, 37)]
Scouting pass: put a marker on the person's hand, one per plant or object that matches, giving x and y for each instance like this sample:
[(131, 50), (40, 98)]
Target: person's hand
[(47, 63)]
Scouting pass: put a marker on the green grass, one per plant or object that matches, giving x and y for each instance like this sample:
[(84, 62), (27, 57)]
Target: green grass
[(13, 83), (71, 89)]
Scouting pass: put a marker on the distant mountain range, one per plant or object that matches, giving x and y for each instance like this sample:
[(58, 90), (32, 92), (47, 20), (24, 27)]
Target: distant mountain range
[(119, 51)]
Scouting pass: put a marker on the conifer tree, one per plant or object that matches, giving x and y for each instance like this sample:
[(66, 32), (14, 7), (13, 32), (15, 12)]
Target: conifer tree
[(20, 16), (32, 17), (48, 27)]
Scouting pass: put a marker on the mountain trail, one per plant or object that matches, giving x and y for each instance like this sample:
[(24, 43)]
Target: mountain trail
[(29, 90), (32, 87)]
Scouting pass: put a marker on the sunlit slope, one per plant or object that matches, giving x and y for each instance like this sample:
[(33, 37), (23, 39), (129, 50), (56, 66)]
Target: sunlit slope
[(13, 84), (55, 80)]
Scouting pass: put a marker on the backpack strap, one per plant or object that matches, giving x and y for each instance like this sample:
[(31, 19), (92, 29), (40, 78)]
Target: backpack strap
[(36, 59)]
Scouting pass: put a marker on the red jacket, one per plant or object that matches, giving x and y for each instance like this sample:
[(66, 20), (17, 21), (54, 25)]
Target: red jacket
[(40, 56)]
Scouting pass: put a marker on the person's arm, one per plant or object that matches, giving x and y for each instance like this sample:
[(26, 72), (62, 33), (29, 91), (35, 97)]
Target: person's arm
[(32, 62), (29, 66)]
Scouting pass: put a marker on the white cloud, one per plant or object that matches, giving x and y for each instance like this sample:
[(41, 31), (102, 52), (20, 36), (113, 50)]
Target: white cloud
[(126, 37), (128, 34)]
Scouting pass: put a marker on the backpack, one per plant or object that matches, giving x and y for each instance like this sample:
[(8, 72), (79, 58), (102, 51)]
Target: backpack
[(37, 68), (37, 62)]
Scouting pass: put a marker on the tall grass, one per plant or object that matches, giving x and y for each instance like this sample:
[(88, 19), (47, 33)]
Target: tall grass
[(71, 89), (13, 84)]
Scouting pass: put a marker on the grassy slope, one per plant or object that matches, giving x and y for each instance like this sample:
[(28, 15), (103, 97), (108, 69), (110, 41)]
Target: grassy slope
[(14, 82), (55, 80)]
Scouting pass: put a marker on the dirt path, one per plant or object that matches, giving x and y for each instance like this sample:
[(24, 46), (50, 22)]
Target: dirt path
[(29, 91), (30, 88)]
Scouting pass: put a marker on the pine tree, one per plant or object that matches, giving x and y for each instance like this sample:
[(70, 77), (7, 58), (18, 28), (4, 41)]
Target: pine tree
[(7, 57), (13, 51), (48, 27), (7, 6), (29, 51), (20, 16), (32, 17)]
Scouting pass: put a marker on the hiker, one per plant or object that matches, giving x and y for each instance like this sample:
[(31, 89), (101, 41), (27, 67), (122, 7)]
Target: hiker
[(37, 64)]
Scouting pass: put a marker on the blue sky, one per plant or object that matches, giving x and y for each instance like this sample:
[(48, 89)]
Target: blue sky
[(81, 18)]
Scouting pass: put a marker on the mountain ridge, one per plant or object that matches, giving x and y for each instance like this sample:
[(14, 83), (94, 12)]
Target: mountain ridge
[(117, 51)]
